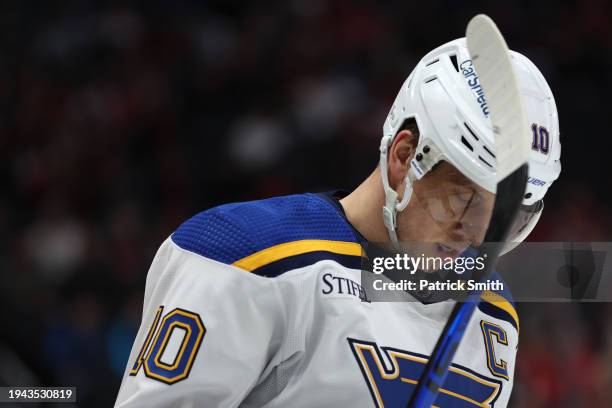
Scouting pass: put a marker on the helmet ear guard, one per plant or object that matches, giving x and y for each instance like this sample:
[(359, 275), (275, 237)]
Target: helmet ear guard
[(426, 157)]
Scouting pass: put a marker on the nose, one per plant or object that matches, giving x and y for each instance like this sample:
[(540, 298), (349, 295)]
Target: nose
[(458, 232), (468, 232)]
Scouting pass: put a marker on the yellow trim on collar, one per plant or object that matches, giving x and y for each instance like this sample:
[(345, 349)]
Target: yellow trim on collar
[(500, 302), (287, 249)]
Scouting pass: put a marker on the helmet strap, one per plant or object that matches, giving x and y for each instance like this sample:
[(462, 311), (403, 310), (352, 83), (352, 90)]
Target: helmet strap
[(392, 205)]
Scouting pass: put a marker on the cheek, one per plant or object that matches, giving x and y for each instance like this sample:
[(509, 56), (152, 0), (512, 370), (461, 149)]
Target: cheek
[(414, 224)]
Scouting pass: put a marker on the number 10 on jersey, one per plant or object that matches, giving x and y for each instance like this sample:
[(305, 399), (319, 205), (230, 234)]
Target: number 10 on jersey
[(183, 331)]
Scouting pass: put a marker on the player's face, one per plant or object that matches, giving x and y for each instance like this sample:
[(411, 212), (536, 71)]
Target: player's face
[(446, 213)]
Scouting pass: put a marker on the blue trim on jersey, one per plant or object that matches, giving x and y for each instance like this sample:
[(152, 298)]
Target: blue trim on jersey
[(299, 261), (496, 312), (233, 231)]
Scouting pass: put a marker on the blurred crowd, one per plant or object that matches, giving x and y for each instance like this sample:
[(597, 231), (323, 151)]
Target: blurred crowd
[(121, 119)]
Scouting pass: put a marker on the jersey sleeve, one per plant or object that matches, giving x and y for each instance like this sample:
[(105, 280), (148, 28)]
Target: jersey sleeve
[(210, 331)]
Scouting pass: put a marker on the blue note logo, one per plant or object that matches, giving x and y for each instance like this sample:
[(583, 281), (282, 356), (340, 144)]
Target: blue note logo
[(392, 375)]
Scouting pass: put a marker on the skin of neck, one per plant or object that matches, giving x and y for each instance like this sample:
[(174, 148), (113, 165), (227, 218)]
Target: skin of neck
[(363, 208)]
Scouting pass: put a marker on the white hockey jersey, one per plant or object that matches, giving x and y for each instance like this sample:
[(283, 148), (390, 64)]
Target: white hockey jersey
[(259, 304)]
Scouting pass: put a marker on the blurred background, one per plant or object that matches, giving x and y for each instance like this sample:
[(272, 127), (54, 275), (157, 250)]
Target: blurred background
[(120, 120)]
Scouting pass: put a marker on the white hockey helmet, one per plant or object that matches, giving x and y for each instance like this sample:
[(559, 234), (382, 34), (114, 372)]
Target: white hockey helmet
[(444, 97)]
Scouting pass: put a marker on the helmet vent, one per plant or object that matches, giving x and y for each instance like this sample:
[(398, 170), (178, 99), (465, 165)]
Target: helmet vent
[(484, 161), (488, 151), (466, 143), (471, 132), (453, 59), (432, 62)]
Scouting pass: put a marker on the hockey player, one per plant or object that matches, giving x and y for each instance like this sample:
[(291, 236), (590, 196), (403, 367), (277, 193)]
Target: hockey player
[(262, 304)]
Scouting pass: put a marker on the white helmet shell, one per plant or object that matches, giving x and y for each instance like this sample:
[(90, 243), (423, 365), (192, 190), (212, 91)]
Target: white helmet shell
[(443, 95)]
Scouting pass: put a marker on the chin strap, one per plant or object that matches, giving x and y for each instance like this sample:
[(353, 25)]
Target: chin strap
[(392, 206)]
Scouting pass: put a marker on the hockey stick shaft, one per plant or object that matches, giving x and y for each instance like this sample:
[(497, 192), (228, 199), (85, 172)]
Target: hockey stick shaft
[(437, 368)]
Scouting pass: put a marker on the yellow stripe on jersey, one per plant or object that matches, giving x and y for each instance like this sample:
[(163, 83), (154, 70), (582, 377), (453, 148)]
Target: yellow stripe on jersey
[(500, 302), (287, 249)]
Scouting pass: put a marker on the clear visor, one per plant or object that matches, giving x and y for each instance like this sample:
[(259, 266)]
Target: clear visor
[(525, 214), (460, 207)]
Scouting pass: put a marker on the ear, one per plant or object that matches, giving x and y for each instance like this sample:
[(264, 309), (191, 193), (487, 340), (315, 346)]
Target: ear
[(401, 152)]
